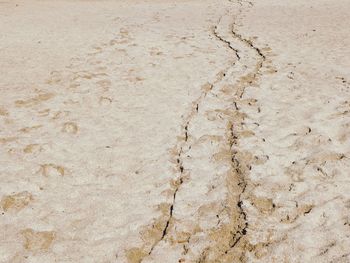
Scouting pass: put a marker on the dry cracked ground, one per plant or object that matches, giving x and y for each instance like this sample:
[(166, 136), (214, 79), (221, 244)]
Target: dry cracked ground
[(174, 131)]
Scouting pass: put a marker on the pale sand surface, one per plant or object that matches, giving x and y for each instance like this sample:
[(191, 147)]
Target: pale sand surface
[(175, 131)]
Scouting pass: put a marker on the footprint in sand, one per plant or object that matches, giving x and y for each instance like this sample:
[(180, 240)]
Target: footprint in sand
[(16, 202), (35, 100), (32, 148), (50, 169), (70, 127), (3, 112), (37, 240)]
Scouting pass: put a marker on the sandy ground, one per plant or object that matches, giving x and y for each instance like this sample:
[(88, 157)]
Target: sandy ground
[(174, 131)]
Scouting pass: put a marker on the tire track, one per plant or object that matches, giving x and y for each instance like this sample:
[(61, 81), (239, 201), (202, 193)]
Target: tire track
[(184, 143), (181, 237), (236, 244)]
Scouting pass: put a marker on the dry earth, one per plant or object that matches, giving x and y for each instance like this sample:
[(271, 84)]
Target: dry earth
[(175, 131)]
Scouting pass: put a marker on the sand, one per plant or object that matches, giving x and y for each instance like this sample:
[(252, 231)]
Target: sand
[(174, 131)]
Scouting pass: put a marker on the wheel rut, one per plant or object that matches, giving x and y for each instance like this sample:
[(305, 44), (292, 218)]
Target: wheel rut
[(206, 220)]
